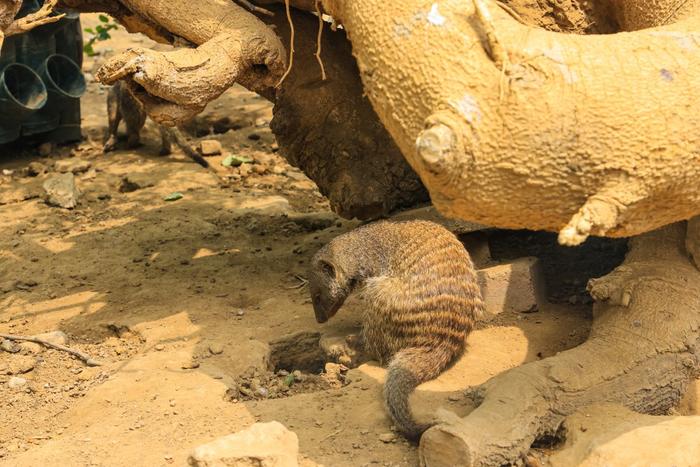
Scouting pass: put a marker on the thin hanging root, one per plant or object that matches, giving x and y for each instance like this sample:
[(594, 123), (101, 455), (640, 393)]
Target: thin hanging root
[(291, 43), (84, 357), (255, 8), (318, 39), (496, 50)]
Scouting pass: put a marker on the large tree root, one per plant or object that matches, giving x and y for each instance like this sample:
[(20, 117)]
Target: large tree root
[(232, 45), (329, 129), (517, 127), (642, 352)]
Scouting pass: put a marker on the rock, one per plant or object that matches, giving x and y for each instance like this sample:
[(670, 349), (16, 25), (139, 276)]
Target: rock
[(279, 170), (297, 351), (54, 337), (159, 347), (21, 364), (45, 149), (263, 444), (216, 349), (16, 382), (74, 166), (9, 346), (387, 438), (35, 168), (210, 147), (61, 191), (136, 181), (313, 221), (336, 349), (514, 286), (259, 169)]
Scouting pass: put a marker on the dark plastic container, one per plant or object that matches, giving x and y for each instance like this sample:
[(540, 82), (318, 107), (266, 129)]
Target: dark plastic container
[(22, 94), (53, 53)]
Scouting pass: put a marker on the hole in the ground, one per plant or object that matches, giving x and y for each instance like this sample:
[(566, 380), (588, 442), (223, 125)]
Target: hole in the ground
[(300, 351), (298, 366)]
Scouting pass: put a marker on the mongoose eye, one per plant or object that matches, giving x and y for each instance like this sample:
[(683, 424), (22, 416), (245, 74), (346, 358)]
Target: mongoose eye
[(328, 269)]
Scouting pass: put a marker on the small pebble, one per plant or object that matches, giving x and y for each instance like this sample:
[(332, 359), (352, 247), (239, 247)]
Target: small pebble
[(216, 349), (16, 383), (387, 438), (159, 347)]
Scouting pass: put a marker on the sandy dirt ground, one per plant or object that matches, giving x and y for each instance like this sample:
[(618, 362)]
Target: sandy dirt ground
[(179, 300)]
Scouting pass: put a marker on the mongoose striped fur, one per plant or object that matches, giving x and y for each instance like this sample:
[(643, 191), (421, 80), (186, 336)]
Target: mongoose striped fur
[(420, 295)]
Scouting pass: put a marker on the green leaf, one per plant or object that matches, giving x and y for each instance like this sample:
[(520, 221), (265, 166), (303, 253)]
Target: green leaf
[(104, 18), (288, 380), (89, 51), (89, 31), (174, 196), (235, 161), (99, 28)]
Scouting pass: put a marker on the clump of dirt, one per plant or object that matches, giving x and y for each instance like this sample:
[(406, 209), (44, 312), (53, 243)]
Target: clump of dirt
[(254, 384)]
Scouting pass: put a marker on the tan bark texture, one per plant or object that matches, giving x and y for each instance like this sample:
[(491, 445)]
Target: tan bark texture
[(517, 127), (642, 352), (610, 435), (230, 45)]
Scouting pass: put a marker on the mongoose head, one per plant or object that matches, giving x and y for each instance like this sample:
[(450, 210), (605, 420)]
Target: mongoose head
[(329, 283)]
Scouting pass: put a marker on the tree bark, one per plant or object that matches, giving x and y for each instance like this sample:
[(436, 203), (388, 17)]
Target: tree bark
[(643, 350), (517, 127)]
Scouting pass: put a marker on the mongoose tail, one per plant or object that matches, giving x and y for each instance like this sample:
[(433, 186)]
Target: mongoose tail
[(407, 369)]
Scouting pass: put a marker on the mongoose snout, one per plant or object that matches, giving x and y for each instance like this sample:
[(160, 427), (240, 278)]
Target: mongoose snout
[(420, 296)]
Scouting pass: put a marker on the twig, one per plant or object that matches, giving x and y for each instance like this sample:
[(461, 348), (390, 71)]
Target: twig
[(333, 434), (255, 8), (508, 9), (84, 357), (302, 283), (496, 50), (33, 20), (318, 39), (291, 43)]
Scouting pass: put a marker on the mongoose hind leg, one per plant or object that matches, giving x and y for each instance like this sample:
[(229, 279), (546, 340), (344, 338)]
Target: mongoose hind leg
[(166, 143), (114, 118)]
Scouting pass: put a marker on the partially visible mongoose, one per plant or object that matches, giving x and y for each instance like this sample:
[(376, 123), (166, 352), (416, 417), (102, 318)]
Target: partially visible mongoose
[(121, 104), (420, 296)]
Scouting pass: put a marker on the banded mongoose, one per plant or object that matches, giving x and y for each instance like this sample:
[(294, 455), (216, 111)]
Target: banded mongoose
[(420, 296), (121, 104)]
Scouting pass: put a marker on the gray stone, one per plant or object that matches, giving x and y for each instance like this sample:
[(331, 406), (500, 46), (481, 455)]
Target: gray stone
[(74, 166), (263, 445), (210, 147), (61, 191), (514, 286), (54, 337), (21, 364), (16, 383), (9, 346), (137, 181), (35, 168)]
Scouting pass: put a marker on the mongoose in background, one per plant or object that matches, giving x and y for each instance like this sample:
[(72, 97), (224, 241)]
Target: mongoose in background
[(421, 298), (122, 105)]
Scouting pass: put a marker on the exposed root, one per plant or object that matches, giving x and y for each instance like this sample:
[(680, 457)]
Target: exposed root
[(38, 18), (89, 361), (496, 50), (319, 39), (291, 43), (601, 213), (232, 46), (255, 8), (642, 352)]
